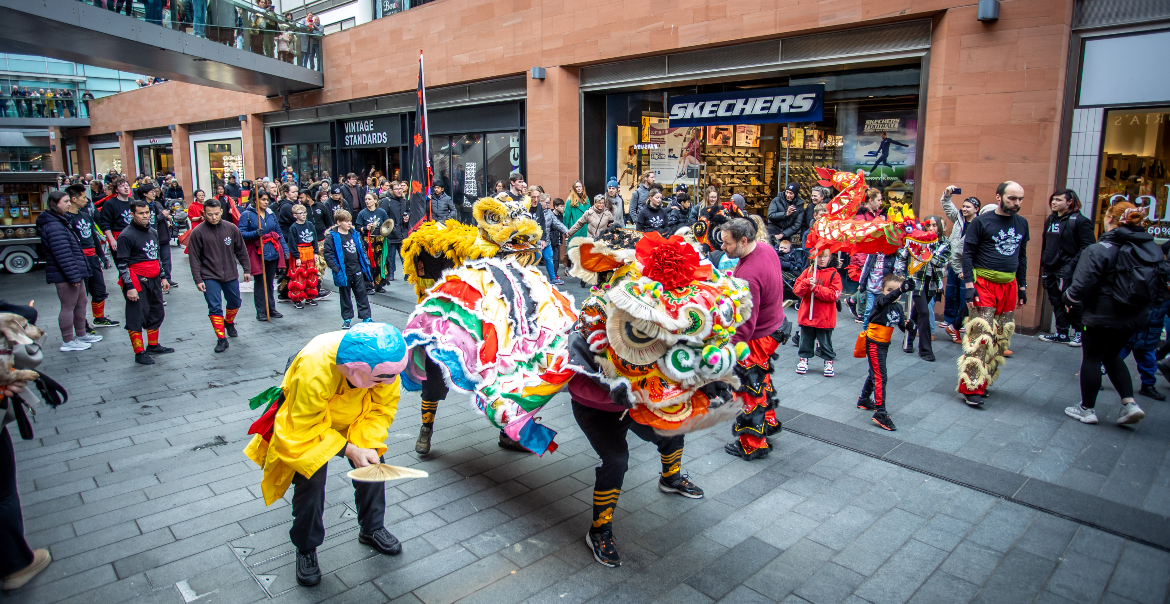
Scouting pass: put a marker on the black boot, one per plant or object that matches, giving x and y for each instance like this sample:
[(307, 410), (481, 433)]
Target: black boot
[(221, 345), (422, 446), (511, 445), (230, 328), (1152, 392)]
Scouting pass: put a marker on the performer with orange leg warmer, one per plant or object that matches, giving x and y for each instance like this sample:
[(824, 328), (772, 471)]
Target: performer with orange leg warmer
[(215, 246), (763, 331), (302, 272), (139, 274)]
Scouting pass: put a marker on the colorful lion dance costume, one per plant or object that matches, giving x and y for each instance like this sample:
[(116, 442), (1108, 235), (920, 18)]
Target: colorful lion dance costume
[(658, 329), (303, 275), (488, 319)]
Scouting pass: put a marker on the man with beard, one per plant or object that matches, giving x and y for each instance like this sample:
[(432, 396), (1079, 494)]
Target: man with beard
[(763, 332), (140, 276), (995, 266)]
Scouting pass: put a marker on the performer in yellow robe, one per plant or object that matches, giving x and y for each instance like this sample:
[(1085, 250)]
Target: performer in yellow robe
[(338, 397)]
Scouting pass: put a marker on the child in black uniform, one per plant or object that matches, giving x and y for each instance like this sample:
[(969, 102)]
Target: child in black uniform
[(885, 314)]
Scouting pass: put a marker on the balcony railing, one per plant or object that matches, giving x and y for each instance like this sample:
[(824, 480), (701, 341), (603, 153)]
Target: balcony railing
[(43, 106), (237, 23)]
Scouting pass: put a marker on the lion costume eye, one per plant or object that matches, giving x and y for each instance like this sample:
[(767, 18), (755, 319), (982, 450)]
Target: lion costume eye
[(632, 343), (491, 218)]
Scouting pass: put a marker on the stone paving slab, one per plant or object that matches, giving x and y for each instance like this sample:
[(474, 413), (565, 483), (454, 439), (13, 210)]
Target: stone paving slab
[(138, 500)]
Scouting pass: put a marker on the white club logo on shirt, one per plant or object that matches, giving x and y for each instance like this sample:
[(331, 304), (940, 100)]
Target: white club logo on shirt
[(350, 246), (151, 250), (127, 216), (1007, 242), (306, 236), (84, 229), (227, 241), (656, 221)]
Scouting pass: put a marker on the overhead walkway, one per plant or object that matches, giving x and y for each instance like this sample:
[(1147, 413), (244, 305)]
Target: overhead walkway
[(78, 31)]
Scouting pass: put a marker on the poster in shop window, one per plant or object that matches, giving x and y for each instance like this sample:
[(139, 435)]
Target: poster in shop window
[(883, 144), (677, 148), (747, 135), (720, 135)]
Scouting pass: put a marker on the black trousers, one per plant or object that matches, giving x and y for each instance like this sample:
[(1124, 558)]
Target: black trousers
[(606, 431), (556, 254), (96, 283), (1102, 346), (264, 284), (356, 287), (920, 317), (391, 263), (147, 312), (164, 256), (810, 336), (875, 383), (435, 388), (15, 553), (308, 507), (1064, 318)]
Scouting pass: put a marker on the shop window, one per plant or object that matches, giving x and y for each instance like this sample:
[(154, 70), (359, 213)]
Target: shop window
[(24, 159), (1134, 158), (503, 158), (105, 160), (306, 160), (215, 161)]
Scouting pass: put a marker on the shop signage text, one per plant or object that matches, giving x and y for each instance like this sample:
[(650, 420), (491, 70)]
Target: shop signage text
[(370, 132), (764, 106)]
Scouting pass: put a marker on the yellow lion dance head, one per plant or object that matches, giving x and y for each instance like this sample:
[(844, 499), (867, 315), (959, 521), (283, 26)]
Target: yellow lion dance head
[(506, 224)]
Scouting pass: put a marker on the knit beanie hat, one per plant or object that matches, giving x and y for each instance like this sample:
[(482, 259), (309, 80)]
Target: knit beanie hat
[(612, 183)]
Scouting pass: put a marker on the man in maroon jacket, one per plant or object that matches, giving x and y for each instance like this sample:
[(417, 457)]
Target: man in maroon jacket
[(763, 331)]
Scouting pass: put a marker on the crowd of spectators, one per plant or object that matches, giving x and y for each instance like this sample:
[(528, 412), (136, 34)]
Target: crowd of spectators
[(44, 102)]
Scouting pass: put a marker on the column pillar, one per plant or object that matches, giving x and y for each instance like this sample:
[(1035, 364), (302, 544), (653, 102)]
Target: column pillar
[(553, 136), (252, 137), (181, 152), (57, 162), (126, 147), (84, 162)]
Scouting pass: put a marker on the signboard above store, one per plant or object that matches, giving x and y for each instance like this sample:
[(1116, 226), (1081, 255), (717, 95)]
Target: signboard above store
[(371, 132), (762, 106)]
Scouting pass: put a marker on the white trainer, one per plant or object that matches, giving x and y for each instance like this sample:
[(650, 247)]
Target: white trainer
[(802, 366), (90, 338), (1085, 416), (74, 346), (1130, 414)]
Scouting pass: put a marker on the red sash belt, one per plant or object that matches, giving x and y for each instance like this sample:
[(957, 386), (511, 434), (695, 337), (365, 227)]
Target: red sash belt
[(89, 251), (148, 269)]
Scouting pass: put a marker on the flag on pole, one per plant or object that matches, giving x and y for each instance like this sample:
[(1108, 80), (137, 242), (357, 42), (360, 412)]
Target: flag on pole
[(421, 173)]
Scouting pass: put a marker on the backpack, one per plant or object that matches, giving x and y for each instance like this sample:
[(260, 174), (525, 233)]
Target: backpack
[(1138, 280)]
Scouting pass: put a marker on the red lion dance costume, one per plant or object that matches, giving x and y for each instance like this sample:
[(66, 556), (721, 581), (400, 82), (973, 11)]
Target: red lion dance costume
[(302, 274)]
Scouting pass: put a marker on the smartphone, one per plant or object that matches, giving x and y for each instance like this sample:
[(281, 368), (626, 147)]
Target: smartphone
[(957, 191)]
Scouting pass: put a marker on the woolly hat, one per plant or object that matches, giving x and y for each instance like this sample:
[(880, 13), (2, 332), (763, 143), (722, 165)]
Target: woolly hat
[(793, 186), (612, 183)]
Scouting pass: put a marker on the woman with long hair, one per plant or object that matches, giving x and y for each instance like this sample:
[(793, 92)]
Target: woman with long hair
[(576, 204), (1110, 315), (67, 268), (266, 250)]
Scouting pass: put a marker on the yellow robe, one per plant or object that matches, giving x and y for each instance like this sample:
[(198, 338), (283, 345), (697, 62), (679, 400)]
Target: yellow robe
[(320, 414)]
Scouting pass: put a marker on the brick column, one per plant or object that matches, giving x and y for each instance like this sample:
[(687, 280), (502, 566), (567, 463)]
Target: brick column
[(57, 153), (84, 162), (184, 164), (252, 135), (126, 146), (553, 138)]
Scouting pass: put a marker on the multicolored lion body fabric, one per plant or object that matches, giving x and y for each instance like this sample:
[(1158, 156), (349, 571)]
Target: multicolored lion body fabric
[(837, 230), (658, 329), (493, 322)]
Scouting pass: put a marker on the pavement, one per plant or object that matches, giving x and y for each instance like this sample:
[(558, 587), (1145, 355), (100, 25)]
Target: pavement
[(139, 488)]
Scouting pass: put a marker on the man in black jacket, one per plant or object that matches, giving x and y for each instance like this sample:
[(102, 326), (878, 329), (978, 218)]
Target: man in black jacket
[(785, 213), (1067, 233), (353, 194), (398, 209)]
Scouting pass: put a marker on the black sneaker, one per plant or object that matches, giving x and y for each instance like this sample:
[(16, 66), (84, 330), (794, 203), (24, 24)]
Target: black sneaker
[(174, 285), (974, 400), (852, 304), (382, 541), (1053, 338), (221, 345), (865, 403), (230, 328), (1152, 392), (680, 484), (89, 330), (308, 571), (142, 358), (311, 302), (298, 305), (323, 293), (159, 349), (275, 315), (104, 322), (736, 448), (604, 548), (882, 419), (927, 356), (511, 445), (422, 446), (379, 290)]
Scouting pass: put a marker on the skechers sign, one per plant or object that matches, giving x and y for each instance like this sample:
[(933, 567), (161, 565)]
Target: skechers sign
[(763, 106)]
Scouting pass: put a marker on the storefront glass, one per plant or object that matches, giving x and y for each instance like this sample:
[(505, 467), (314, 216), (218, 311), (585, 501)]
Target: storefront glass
[(1134, 157), (105, 160), (756, 157), (469, 165), (24, 159), (156, 160), (216, 160), (307, 160)]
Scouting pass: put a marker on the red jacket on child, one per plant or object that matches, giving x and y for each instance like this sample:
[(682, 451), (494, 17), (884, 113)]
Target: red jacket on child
[(827, 290)]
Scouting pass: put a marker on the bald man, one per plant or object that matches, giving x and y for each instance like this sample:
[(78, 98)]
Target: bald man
[(995, 269)]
